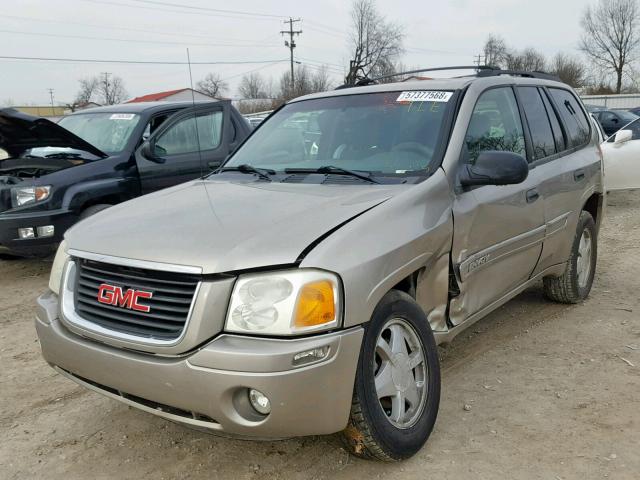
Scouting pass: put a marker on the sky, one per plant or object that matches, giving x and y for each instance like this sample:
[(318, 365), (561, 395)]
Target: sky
[(436, 34)]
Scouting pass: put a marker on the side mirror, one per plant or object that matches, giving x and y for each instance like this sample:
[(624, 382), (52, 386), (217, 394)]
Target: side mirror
[(495, 168), (147, 150), (622, 136)]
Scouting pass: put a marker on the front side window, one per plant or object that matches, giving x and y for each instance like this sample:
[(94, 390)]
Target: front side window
[(495, 125), (108, 132), (574, 119), (182, 137), (635, 130), (539, 126), (383, 134)]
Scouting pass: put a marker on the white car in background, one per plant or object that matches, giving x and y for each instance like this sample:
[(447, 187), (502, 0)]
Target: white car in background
[(622, 158)]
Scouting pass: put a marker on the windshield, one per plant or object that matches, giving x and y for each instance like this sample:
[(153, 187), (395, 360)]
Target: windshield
[(108, 132), (627, 116), (384, 134)]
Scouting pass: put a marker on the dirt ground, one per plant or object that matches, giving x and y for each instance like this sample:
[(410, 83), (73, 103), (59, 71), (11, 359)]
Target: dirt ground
[(553, 392)]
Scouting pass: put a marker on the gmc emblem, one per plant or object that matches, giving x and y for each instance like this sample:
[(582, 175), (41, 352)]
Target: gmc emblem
[(112, 295)]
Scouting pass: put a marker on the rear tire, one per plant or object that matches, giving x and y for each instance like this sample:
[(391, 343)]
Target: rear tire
[(574, 285), (92, 210), (397, 388)]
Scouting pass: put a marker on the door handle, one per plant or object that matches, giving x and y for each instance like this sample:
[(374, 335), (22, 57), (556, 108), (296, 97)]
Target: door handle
[(214, 165), (532, 195), (578, 175)]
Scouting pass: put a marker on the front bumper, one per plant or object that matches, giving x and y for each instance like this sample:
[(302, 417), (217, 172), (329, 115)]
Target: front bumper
[(207, 388), (11, 222)]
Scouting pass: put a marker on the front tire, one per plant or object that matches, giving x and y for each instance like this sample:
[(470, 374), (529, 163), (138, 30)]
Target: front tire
[(574, 285), (397, 388)]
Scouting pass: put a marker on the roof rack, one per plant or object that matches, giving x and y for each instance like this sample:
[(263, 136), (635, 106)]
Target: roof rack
[(481, 71)]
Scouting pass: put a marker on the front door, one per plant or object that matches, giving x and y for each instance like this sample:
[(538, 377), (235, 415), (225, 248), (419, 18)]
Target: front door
[(185, 147), (622, 160), (498, 230)]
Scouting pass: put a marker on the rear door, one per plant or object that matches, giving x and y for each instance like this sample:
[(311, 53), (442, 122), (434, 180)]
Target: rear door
[(185, 147), (568, 168), (498, 230), (622, 160)]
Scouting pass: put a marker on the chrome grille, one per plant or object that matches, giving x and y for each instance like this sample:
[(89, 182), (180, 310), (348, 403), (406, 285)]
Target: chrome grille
[(169, 307)]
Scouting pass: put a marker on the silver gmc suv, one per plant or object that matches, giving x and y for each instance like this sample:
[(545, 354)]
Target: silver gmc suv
[(302, 289)]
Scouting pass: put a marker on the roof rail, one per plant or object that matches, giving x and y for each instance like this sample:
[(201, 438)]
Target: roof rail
[(518, 73), (481, 71)]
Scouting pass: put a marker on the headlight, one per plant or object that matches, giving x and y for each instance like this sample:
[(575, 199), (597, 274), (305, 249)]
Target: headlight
[(57, 269), (285, 303), (27, 195)]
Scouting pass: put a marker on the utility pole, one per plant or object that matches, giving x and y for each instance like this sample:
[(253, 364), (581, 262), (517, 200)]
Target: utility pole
[(480, 60), (291, 44), (107, 99), (53, 110)]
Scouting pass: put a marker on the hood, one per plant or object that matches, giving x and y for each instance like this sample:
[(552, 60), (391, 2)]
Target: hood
[(20, 132), (225, 226)]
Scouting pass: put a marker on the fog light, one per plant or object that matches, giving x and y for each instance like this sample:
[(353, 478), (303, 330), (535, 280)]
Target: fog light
[(46, 231), (25, 233), (259, 401), (310, 356)]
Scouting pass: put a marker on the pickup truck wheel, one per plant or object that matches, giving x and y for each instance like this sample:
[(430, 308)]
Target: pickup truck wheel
[(92, 210), (397, 388), (574, 284)]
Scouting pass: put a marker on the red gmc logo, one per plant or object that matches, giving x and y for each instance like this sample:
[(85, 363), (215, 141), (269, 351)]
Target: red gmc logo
[(112, 295)]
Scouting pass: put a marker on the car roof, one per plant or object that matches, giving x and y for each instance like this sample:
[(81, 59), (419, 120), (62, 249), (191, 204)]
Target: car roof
[(456, 83), (141, 107)]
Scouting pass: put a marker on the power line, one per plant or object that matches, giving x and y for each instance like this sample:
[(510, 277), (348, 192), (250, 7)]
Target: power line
[(135, 62), (186, 12), (155, 42), (140, 30), (207, 9), (291, 43)]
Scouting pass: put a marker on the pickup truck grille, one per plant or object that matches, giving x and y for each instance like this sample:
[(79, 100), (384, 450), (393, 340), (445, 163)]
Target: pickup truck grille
[(114, 307)]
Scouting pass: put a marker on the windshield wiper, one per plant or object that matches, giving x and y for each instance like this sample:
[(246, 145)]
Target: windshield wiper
[(328, 169), (65, 156), (264, 173)]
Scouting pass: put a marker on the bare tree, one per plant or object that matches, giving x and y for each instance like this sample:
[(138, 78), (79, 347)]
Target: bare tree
[(529, 60), (610, 38), (213, 85), (305, 82), (374, 41), (253, 86), (569, 69), (88, 87), (495, 51), (320, 80), (110, 89)]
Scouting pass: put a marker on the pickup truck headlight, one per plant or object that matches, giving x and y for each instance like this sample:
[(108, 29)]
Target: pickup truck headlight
[(57, 270), (27, 195), (285, 303)]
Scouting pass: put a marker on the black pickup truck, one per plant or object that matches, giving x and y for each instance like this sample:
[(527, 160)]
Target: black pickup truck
[(56, 174)]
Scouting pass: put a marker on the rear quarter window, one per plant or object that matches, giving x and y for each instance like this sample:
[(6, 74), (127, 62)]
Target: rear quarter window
[(573, 117)]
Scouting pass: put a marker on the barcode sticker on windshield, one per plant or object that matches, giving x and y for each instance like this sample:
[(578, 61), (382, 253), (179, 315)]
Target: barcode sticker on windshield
[(122, 116), (424, 96)]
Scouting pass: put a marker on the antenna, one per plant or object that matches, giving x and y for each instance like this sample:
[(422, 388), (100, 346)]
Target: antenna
[(195, 117)]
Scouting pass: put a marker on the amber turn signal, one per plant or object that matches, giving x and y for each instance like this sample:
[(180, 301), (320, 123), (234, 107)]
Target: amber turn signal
[(316, 305)]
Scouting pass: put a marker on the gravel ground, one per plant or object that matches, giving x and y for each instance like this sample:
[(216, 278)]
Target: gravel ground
[(552, 392)]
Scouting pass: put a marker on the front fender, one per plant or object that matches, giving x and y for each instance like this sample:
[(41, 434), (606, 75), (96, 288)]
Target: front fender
[(408, 234), (79, 194)]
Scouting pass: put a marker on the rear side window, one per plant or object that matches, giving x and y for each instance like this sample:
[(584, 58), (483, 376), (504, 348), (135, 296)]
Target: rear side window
[(573, 117), (495, 125), (539, 126), (558, 136)]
